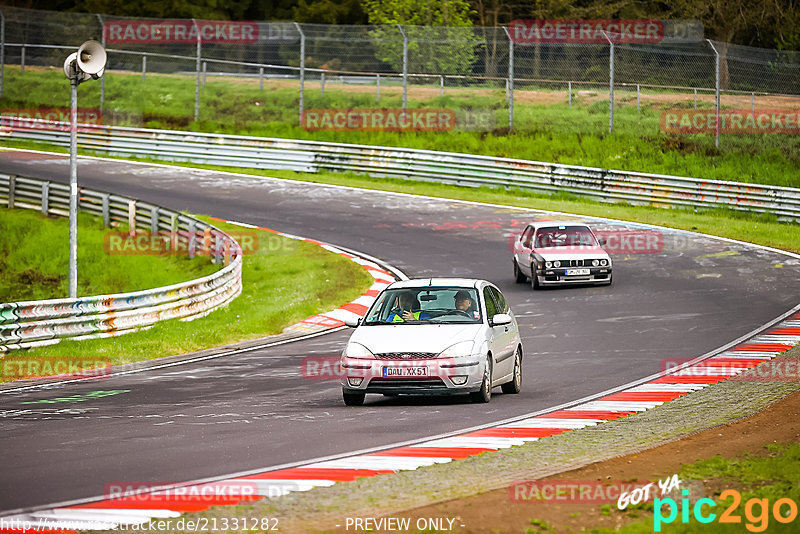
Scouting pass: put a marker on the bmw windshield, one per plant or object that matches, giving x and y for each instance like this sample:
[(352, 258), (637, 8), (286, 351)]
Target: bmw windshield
[(564, 236), (423, 305)]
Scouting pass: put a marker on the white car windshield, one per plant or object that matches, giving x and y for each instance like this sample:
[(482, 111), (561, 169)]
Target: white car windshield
[(425, 305), (564, 236)]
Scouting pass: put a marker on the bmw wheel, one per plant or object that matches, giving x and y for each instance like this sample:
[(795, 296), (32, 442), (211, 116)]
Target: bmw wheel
[(518, 276), (534, 278)]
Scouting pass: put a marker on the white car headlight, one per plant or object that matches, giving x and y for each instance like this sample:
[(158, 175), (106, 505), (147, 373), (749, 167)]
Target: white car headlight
[(556, 264), (357, 350), (595, 263), (603, 262), (548, 264), (462, 349)]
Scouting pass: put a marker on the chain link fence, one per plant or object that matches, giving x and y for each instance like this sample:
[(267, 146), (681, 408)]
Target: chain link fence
[(411, 65)]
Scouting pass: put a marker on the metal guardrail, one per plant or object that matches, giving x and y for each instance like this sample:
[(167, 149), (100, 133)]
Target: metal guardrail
[(444, 167), (45, 322)]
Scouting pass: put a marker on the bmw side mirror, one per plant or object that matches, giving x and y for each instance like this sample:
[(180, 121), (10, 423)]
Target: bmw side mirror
[(352, 322), (501, 319), (602, 241)]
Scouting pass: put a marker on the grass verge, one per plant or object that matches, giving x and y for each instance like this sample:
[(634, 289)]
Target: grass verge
[(285, 281), (34, 260)]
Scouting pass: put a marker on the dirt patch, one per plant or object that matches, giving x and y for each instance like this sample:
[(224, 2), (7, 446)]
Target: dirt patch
[(496, 513)]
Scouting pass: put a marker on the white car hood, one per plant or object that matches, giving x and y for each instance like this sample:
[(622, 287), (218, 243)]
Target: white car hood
[(413, 337), (572, 253)]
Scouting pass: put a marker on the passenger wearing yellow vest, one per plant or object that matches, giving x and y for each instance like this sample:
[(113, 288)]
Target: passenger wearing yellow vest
[(405, 312)]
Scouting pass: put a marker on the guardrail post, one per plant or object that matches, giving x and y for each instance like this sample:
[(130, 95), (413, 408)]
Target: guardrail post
[(217, 248), (106, 211), (154, 220), (2, 50), (12, 182), (227, 255), (132, 217), (197, 73), (716, 85), (102, 78), (510, 79), (405, 67), (260, 78), (144, 67), (192, 246), (45, 197), (173, 231), (207, 241), (322, 84), (302, 71)]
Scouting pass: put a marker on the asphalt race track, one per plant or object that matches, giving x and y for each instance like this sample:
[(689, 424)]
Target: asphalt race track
[(255, 410)]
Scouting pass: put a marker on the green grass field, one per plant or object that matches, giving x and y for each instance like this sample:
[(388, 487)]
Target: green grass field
[(281, 285), (34, 260), (546, 129)]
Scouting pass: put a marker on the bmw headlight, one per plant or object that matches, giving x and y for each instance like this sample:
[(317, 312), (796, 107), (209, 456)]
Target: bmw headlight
[(462, 349), (603, 262), (357, 350), (595, 263), (556, 264), (548, 264)]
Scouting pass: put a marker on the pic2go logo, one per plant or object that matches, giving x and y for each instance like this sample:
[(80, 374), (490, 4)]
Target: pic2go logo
[(756, 511)]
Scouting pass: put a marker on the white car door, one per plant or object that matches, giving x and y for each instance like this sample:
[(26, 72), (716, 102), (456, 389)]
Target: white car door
[(503, 336), (522, 250)]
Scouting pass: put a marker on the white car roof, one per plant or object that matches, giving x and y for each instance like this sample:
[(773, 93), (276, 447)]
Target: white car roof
[(543, 224), (438, 282)]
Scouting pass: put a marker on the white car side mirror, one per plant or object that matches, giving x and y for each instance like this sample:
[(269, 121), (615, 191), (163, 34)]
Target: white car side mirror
[(352, 322), (500, 319)]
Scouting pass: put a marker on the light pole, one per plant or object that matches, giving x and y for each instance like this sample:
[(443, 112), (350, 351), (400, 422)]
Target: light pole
[(87, 63)]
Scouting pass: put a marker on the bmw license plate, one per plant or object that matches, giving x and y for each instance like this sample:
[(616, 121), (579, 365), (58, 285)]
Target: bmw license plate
[(405, 371), (576, 272)]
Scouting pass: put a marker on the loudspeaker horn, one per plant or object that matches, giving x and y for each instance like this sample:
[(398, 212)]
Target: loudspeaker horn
[(92, 58)]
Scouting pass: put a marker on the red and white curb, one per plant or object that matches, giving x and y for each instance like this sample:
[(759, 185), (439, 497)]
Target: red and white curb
[(662, 388)]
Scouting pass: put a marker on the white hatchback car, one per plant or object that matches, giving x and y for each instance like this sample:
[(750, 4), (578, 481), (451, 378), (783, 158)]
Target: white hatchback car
[(560, 252), (434, 336)]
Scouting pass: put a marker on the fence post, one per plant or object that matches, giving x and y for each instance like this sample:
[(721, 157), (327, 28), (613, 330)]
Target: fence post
[(45, 197), (441, 85), (302, 69), (102, 78), (569, 90), (716, 86), (2, 50), (637, 98), (405, 66), (144, 67), (610, 83), (197, 73), (322, 84), (377, 87), (753, 102), (695, 99), (260, 78), (204, 73), (132, 217), (510, 79), (22, 60)]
